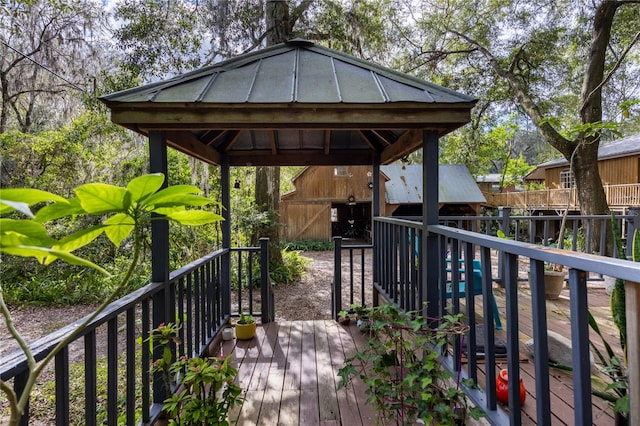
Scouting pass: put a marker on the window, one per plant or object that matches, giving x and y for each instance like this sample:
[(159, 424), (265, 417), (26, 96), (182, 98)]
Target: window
[(334, 214), (567, 180), (340, 171)]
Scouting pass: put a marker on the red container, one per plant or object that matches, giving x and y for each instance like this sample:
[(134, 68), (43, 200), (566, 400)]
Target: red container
[(502, 388)]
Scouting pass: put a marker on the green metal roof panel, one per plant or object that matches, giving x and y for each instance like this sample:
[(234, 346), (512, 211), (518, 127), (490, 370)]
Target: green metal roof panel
[(316, 79), (296, 71)]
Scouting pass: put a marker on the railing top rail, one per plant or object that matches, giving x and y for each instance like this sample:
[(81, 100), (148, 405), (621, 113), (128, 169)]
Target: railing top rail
[(624, 269), (179, 273)]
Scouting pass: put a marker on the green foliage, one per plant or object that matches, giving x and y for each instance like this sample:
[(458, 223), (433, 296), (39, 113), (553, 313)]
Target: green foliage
[(616, 390), (315, 245), (291, 269), (401, 369), (246, 319), (206, 389)]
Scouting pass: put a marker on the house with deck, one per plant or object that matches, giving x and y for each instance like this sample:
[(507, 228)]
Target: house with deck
[(299, 103), (619, 167)]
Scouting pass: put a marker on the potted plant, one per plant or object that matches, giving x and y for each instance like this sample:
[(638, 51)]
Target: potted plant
[(554, 276), (205, 386), (245, 327), (344, 318), (362, 316), (402, 372)]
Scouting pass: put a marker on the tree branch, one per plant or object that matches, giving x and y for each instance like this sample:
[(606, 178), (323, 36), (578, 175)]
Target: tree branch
[(610, 74), (524, 98)]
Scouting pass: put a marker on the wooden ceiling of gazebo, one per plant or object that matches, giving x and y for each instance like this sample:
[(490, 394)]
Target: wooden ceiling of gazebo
[(295, 103)]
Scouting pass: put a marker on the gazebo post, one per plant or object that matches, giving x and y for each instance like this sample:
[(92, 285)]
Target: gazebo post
[(225, 182), (162, 302), (375, 211), (430, 217)]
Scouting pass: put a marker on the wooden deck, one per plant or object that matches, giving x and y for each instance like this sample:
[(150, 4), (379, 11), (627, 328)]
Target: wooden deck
[(290, 369), (289, 372)]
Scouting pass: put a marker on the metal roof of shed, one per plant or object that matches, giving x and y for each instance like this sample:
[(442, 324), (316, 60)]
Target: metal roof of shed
[(455, 184), (295, 103)]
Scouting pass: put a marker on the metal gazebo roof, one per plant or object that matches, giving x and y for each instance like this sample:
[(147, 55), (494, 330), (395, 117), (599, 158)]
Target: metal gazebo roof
[(295, 103)]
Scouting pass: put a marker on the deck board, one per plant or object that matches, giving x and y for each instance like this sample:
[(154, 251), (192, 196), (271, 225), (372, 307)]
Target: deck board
[(290, 369)]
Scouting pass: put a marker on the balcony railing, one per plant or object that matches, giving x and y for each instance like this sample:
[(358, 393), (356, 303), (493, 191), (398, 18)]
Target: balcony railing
[(403, 278), (198, 295), (618, 196)]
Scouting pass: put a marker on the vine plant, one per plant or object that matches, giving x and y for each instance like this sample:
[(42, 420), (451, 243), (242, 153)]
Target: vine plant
[(125, 211)]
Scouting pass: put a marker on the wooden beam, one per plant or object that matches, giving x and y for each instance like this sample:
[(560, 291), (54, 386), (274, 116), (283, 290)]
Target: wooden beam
[(187, 143), (300, 158), (272, 142), (288, 117), (406, 143), (366, 139), (327, 141)]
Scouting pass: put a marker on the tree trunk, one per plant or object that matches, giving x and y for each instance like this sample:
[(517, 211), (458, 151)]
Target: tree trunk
[(278, 27)]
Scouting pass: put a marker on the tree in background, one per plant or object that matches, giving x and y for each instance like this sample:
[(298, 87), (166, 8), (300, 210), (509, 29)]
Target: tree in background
[(49, 52), (553, 61)]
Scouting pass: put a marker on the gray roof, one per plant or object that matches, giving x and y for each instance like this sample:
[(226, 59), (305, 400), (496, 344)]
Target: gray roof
[(295, 103), (456, 185), (298, 71), (619, 148)]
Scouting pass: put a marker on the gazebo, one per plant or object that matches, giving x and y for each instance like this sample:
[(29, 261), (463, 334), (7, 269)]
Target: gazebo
[(295, 103)]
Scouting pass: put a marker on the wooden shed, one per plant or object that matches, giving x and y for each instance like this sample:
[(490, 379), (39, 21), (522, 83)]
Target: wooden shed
[(337, 200)]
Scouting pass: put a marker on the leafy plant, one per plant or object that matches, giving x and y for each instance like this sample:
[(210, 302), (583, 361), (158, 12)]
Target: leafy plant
[(401, 369), (120, 212), (246, 319), (206, 389)]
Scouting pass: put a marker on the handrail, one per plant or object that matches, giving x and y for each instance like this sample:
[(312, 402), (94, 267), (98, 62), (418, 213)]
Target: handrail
[(619, 195), (401, 278)]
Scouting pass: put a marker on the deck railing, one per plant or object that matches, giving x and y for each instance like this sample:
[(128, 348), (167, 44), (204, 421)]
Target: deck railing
[(618, 196), (196, 295), (355, 291), (403, 278)]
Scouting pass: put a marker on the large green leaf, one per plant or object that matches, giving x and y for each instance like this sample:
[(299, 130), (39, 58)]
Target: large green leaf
[(635, 246), (167, 195), (41, 253), (19, 199), (57, 210), (100, 198), (119, 227), (187, 200), (29, 195), (21, 232), (194, 217), (143, 186), (79, 239)]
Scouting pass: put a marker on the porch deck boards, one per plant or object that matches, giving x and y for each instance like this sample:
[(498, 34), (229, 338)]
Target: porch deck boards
[(290, 373), (290, 369)]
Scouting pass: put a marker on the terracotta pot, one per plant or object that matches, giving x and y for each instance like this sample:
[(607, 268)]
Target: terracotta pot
[(553, 283), (245, 331), (502, 388)]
